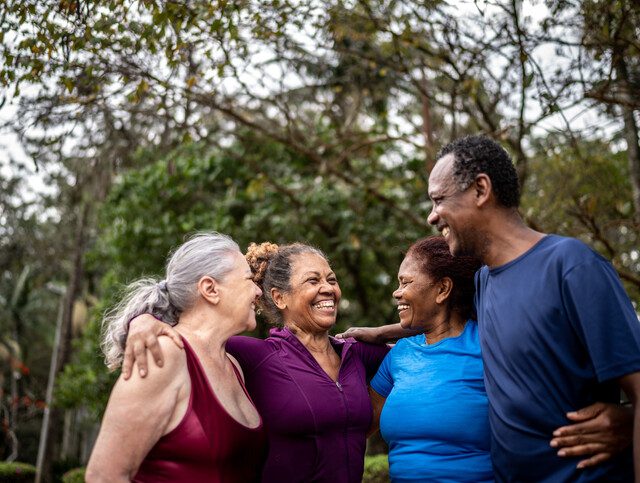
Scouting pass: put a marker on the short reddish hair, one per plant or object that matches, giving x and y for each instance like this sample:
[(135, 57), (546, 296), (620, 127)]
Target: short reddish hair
[(435, 259)]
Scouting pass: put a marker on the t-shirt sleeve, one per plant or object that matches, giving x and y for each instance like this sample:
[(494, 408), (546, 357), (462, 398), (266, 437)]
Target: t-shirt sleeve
[(382, 382), (602, 315), (371, 356), (249, 351), (480, 278)]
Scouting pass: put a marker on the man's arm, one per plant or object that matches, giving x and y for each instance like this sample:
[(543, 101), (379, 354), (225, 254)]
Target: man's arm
[(598, 431)]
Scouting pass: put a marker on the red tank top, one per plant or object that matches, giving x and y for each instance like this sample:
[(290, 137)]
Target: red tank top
[(208, 445)]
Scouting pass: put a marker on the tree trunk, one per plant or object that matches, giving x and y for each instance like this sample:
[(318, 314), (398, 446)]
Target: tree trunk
[(631, 136), (633, 155), (54, 428)]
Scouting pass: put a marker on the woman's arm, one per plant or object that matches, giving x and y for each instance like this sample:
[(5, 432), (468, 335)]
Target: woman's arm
[(139, 412), (144, 331), (377, 335), (377, 401)]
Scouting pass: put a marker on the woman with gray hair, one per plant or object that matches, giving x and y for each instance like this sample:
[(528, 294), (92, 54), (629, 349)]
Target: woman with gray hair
[(194, 420)]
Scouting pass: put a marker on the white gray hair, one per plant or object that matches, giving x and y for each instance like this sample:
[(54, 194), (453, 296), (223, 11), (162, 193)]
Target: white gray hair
[(203, 254)]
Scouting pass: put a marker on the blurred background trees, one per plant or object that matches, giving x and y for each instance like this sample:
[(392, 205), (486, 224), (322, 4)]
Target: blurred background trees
[(143, 121)]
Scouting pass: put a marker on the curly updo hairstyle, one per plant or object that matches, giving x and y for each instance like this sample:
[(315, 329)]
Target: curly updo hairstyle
[(271, 266), (435, 259)]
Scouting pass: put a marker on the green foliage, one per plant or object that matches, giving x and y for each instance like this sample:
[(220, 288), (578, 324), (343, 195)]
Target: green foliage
[(255, 190), (86, 382), (75, 475), (279, 120), (16, 472), (376, 469), (586, 193), (259, 190)]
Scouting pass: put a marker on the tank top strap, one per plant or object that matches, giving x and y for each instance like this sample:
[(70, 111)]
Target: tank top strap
[(203, 400), (196, 371), (239, 376), (199, 379)]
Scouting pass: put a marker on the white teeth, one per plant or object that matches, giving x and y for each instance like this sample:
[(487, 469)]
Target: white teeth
[(328, 304), (402, 307), (445, 231)]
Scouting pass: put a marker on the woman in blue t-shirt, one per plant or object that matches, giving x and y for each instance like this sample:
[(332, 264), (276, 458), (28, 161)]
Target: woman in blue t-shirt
[(428, 394)]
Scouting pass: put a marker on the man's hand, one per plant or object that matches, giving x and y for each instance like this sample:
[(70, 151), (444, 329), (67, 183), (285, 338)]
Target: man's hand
[(599, 431), (363, 334), (144, 331)]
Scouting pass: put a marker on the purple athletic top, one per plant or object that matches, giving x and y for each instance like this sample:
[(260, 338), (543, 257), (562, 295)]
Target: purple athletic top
[(316, 427)]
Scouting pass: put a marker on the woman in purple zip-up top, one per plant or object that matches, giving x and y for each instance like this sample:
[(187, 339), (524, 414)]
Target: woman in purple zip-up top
[(310, 388)]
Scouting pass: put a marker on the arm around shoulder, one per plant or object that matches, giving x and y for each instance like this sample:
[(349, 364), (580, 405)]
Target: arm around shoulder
[(377, 335)]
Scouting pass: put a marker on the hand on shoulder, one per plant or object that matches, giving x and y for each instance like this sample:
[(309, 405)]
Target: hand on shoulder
[(174, 362)]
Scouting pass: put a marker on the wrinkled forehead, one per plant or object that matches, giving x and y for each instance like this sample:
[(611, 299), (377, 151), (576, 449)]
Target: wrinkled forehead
[(303, 263), (441, 175), (240, 262), (409, 265)]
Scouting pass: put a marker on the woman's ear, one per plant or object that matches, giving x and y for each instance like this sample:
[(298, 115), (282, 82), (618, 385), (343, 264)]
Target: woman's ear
[(445, 286), (279, 298), (209, 290)]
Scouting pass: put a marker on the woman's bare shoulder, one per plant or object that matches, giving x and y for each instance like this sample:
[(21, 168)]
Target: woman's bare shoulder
[(175, 363)]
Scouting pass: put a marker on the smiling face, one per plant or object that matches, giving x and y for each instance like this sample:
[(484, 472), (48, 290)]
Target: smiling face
[(453, 211), (312, 303), (238, 294), (416, 295)]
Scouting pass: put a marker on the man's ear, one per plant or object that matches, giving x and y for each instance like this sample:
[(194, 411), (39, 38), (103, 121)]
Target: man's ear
[(278, 298), (483, 189), (445, 286), (209, 289)]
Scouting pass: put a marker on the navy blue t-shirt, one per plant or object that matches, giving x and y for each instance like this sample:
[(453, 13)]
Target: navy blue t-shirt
[(556, 330)]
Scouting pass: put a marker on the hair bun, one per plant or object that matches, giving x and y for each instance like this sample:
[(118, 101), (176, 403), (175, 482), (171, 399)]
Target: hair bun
[(258, 257)]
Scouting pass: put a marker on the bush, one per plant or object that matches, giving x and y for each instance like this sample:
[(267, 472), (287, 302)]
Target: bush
[(376, 469), (17, 472), (75, 475)]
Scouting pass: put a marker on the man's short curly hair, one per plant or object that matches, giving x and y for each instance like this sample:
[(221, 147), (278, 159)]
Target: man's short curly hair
[(480, 154)]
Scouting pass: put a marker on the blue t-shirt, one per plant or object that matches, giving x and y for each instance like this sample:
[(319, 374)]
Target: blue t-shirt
[(556, 329), (435, 416)]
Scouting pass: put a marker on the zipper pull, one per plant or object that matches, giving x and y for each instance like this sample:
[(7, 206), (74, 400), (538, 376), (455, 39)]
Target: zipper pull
[(339, 386)]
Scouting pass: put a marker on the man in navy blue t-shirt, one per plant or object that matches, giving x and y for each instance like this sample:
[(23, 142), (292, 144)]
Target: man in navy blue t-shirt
[(557, 330)]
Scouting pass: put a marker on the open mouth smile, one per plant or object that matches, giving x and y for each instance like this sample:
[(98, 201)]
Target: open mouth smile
[(325, 304)]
